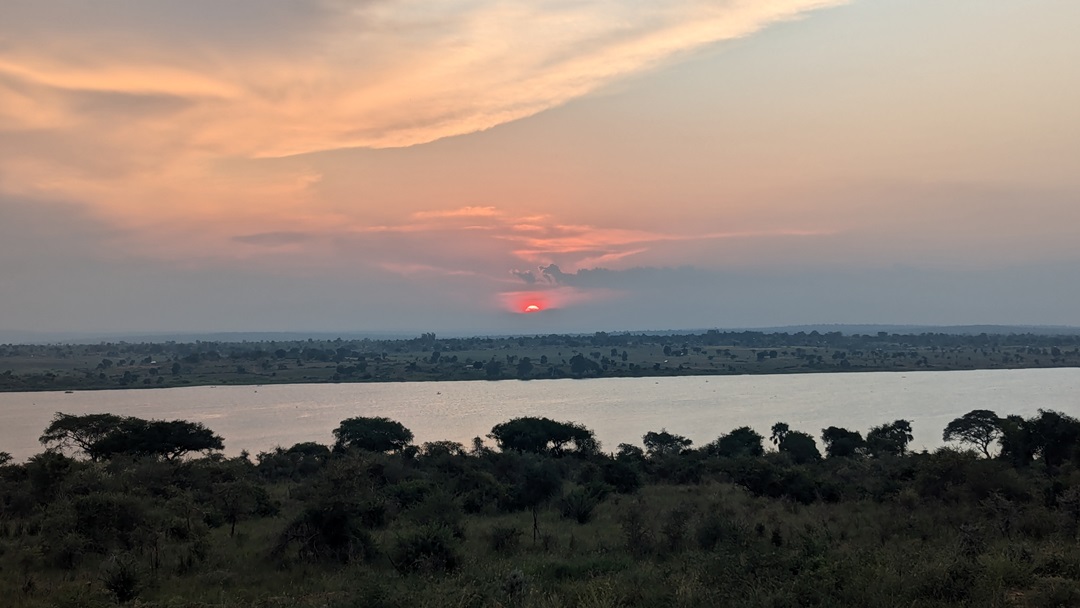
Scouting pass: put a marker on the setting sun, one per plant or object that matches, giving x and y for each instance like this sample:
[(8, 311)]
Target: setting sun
[(532, 308)]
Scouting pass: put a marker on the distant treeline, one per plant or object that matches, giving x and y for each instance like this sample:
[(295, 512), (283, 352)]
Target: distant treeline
[(430, 357), (328, 350)]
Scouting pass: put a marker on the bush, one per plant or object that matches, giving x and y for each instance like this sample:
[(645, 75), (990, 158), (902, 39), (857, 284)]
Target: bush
[(579, 505), (622, 476), (674, 527), (714, 529), (439, 509), (334, 533), (121, 578), (429, 549), (636, 530)]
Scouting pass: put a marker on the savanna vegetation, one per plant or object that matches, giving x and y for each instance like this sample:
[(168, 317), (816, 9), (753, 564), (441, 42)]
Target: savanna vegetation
[(150, 513), (429, 357)]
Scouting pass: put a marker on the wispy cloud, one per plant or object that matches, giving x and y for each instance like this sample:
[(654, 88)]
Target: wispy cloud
[(462, 212), (150, 112), (347, 73)]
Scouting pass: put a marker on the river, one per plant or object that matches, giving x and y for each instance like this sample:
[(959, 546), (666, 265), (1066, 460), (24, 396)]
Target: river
[(257, 418)]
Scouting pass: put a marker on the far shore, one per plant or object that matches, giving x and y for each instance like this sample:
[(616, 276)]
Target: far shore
[(107, 366)]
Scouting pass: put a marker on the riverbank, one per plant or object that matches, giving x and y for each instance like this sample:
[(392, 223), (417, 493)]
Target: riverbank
[(428, 358)]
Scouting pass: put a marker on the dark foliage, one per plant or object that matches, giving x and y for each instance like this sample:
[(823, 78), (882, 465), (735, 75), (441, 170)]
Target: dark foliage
[(544, 436), (376, 434)]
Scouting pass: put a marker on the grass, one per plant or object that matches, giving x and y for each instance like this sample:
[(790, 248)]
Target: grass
[(770, 553)]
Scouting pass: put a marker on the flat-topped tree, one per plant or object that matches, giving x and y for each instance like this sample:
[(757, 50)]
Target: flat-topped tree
[(102, 436), (979, 428), (167, 439), (68, 431), (376, 434), (544, 436)]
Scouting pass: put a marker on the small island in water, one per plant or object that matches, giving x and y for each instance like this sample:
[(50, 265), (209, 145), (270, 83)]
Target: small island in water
[(428, 357)]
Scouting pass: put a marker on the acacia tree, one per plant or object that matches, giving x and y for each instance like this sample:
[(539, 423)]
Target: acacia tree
[(979, 428), (544, 436), (376, 434), (167, 439), (68, 431)]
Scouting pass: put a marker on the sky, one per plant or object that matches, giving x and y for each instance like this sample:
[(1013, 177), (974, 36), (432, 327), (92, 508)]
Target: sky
[(395, 165)]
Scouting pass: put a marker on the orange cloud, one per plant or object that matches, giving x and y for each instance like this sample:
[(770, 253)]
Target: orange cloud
[(462, 212), (151, 118)]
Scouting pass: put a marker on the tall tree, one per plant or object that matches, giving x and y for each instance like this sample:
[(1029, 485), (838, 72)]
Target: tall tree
[(168, 439), (979, 428), (68, 431)]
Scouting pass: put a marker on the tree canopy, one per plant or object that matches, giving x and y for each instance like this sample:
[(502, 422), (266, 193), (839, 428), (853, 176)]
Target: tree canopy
[(377, 434), (664, 443), (889, 439), (68, 431), (800, 447), (979, 428), (544, 436), (103, 436), (840, 442), (743, 441)]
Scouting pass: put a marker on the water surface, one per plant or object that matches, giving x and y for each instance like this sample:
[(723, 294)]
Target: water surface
[(258, 418)]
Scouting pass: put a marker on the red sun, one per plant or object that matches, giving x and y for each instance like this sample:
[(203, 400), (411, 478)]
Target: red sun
[(532, 308)]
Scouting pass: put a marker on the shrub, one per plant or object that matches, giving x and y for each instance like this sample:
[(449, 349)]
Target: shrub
[(622, 476), (429, 549), (674, 527), (334, 533), (579, 505), (121, 578), (636, 530)]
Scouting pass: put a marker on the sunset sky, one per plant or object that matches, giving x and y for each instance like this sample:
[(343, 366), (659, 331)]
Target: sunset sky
[(396, 165)]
